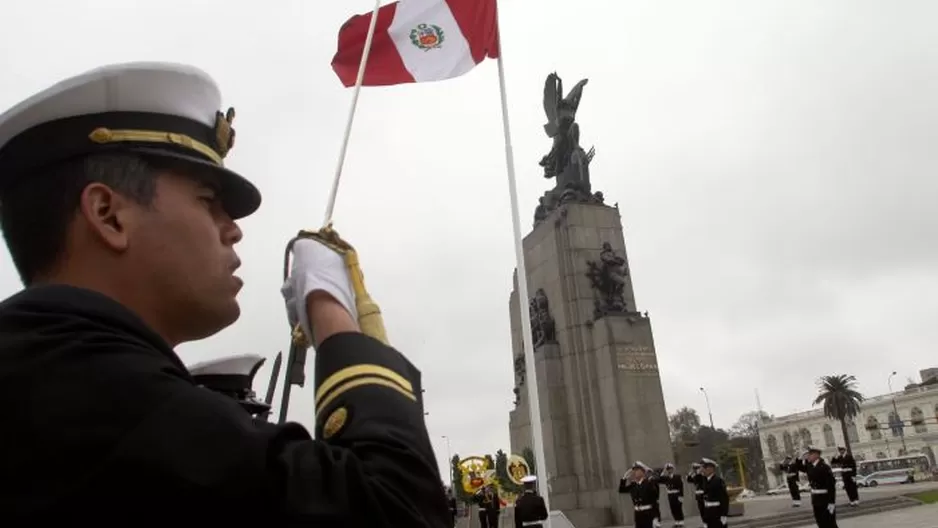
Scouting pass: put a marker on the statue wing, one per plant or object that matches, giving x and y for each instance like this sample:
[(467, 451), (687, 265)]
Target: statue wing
[(551, 100), (573, 98)]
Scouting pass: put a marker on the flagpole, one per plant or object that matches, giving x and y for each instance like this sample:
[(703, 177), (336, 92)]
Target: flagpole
[(333, 194), (534, 406)]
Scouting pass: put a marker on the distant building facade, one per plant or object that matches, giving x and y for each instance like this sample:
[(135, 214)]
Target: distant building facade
[(876, 433)]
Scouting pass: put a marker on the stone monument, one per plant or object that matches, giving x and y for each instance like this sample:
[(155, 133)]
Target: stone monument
[(602, 406)]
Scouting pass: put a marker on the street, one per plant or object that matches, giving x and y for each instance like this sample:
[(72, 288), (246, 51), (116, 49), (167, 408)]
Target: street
[(767, 505), (914, 517)]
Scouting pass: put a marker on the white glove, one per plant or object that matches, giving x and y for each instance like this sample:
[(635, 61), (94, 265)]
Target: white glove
[(315, 268), (656, 523), (831, 508), (723, 521), (680, 499)]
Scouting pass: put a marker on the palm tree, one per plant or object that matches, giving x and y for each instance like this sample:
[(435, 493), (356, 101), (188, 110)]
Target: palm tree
[(840, 400)]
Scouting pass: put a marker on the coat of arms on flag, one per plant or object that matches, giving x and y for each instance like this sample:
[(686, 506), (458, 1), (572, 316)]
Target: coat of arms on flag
[(427, 36)]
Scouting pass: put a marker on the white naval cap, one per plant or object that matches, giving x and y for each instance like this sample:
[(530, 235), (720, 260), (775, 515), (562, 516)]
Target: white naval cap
[(708, 462), (640, 465), (241, 365), (234, 373), (527, 479), (160, 110)]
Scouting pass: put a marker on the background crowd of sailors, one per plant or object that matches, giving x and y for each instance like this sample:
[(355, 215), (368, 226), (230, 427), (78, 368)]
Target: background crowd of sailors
[(822, 481), (530, 509), (644, 484), (710, 494)]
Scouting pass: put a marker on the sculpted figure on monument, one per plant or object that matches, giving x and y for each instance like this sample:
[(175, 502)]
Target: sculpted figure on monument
[(520, 369), (543, 328), (562, 128), (607, 277), (566, 161)]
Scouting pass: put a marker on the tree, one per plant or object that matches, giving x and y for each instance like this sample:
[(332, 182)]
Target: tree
[(684, 424), (840, 400), (461, 494), (744, 434), (748, 424)]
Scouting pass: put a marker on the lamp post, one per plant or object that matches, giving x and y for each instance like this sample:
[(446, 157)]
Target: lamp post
[(895, 409), (709, 410), (449, 460)]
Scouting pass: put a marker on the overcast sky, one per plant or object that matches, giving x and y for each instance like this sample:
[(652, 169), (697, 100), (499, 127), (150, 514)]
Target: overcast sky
[(775, 164)]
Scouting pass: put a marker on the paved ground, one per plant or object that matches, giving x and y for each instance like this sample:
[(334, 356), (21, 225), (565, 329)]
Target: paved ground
[(914, 517), (765, 505)]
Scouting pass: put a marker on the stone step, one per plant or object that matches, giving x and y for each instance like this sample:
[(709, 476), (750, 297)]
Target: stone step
[(804, 515)]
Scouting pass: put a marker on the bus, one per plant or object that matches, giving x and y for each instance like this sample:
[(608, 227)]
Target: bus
[(919, 464)]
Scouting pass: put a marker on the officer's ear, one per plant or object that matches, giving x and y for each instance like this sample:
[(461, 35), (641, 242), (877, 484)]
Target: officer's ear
[(107, 214)]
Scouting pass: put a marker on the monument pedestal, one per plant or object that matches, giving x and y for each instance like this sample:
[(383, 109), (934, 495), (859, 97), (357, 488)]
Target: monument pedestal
[(602, 406)]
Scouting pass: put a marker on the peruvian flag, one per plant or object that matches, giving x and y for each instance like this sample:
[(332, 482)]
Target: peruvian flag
[(418, 41)]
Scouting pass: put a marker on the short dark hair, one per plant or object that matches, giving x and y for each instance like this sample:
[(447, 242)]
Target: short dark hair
[(35, 213)]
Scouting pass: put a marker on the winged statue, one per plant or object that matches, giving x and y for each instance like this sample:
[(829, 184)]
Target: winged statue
[(566, 161)]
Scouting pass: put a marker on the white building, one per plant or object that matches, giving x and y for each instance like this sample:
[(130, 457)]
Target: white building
[(878, 432)]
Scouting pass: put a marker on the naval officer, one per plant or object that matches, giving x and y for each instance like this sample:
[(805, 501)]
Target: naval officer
[(120, 216), (641, 485), (823, 489), (530, 509)]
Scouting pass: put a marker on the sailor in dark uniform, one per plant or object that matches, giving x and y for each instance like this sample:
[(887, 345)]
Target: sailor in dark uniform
[(848, 472), (641, 485), (530, 510), (120, 217), (716, 501), (789, 467), (696, 478), (674, 485), (489, 506), (823, 489)]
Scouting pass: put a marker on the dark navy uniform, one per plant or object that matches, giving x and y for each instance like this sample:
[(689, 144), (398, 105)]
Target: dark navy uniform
[(823, 493), (695, 478), (530, 510), (848, 472), (716, 502), (790, 469), (111, 429), (645, 495), (489, 507), (674, 485)]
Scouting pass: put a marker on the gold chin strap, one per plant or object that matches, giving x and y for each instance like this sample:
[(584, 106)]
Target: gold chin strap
[(369, 314)]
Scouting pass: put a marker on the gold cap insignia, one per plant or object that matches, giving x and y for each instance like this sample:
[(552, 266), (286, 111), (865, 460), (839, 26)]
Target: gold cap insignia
[(335, 422), (224, 134)]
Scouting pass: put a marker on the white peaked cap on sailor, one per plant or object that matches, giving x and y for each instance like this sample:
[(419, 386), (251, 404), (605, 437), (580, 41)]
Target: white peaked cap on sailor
[(707, 462), (527, 479), (165, 111), (640, 465), (241, 365)]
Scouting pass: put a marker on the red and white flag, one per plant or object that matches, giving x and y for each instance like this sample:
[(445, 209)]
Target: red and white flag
[(418, 41)]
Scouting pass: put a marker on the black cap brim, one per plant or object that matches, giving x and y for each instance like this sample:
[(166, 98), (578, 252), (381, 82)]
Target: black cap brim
[(239, 197)]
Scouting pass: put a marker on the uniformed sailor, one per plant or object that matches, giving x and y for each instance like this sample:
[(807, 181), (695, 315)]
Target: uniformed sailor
[(641, 485), (716, 501), (848, 472), (823, 489), (674, 485), (489, 506), (121, 219), (530, 509), (789, 467), (695, 477)]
